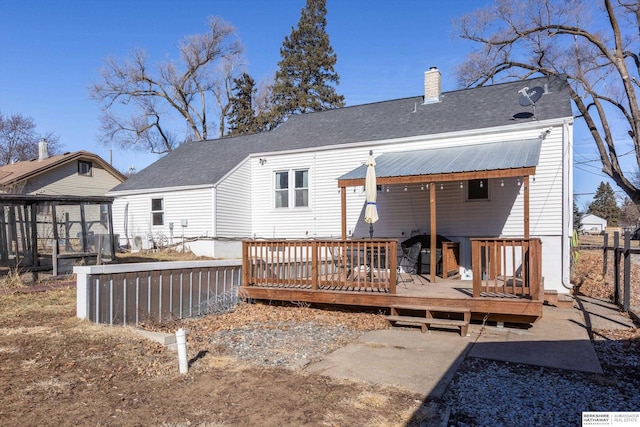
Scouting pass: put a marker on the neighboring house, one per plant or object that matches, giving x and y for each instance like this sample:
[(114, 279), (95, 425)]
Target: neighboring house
[(290, 182), (66, 192), (70, 174), (593, 224)]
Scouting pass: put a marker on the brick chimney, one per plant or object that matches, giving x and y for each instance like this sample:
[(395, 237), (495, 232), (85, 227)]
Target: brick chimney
[(43, 150), (432, 85)]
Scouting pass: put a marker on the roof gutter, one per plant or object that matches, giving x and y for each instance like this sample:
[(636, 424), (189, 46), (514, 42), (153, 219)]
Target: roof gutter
[(119, 193)]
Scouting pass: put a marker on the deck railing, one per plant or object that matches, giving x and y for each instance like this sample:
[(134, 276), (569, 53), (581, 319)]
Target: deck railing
[(507, 267), (337, 265)]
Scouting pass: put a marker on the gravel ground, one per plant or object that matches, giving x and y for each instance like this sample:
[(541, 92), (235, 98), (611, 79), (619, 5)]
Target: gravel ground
[(272, 346), (490, 393)]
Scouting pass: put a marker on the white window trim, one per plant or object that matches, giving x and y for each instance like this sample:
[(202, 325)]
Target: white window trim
[(151, 212), (291, 190)]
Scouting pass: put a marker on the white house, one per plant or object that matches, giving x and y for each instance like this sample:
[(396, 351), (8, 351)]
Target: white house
[(502, 169), (592, 224)]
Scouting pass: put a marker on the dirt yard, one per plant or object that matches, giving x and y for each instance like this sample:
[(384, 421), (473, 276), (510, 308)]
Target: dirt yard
[(58, 370), (587, 272)]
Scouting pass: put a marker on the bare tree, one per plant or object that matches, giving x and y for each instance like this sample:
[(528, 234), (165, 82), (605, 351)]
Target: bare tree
[(630, 214), (264, 107), (222, 91), (147, 111), (594, 45), (19, 139)]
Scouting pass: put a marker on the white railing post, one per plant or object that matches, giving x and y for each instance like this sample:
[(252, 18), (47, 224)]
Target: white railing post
[(82, 293)]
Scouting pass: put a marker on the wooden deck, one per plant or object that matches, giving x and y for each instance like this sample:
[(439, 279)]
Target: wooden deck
[(301, 275), (417, 290)]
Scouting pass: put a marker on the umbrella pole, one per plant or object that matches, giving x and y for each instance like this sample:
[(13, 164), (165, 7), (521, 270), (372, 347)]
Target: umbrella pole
[(371, 230)]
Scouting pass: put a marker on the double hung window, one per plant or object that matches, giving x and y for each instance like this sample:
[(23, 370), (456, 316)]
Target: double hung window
[(296, 195), (157, 211)]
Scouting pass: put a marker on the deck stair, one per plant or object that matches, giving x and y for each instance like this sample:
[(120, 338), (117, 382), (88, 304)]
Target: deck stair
[(425, 316), (552, 297)]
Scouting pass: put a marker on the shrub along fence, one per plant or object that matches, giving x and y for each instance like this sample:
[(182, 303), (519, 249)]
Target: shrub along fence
[(127, 294), (622, 286)]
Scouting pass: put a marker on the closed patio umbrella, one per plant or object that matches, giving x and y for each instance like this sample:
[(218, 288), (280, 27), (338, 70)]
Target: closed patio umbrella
[(371, 211)]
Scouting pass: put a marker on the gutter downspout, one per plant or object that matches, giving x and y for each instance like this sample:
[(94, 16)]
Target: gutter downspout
[(126, 224), (567, 206)]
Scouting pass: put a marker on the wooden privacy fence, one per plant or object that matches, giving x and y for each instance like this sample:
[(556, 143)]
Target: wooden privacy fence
[(507, 267), (338, 265), (621, 288), (127, 294)]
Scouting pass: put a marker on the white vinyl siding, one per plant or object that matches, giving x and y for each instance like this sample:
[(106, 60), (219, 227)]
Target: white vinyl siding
[(546, 191), (198, 214), (233, 204), (403, 212), (322, 218)]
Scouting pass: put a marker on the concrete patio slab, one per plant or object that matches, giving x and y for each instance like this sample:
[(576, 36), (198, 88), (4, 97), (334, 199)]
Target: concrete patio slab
[(601, 314), (423, 363), (426, 363), (559, 340)]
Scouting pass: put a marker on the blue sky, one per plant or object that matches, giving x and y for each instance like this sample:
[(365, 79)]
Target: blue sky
[(50, 51)]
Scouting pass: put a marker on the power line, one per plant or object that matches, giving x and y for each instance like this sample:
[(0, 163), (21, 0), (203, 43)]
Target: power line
[(591, 172)]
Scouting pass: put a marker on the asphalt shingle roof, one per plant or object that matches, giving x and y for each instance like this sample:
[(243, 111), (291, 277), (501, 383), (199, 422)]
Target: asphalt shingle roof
[(16, 172), (206, 162)]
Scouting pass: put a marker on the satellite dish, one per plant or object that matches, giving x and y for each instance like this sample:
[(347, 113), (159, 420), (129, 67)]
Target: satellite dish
[(530, 96)]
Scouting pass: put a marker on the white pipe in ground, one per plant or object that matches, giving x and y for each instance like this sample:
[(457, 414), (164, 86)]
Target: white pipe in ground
[(181, 342)]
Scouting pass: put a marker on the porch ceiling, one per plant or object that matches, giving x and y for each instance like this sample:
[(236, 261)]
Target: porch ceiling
[(490, 160)]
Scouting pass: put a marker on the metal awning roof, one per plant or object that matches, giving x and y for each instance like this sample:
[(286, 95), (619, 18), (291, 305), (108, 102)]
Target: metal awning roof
[(489, 160)]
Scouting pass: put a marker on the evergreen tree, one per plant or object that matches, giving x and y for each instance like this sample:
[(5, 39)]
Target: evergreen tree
[(305, 80), (604, 205), (242, 115), (577, 217)]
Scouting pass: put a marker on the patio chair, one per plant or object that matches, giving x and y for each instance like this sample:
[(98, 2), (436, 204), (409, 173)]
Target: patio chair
[(408, 263)]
